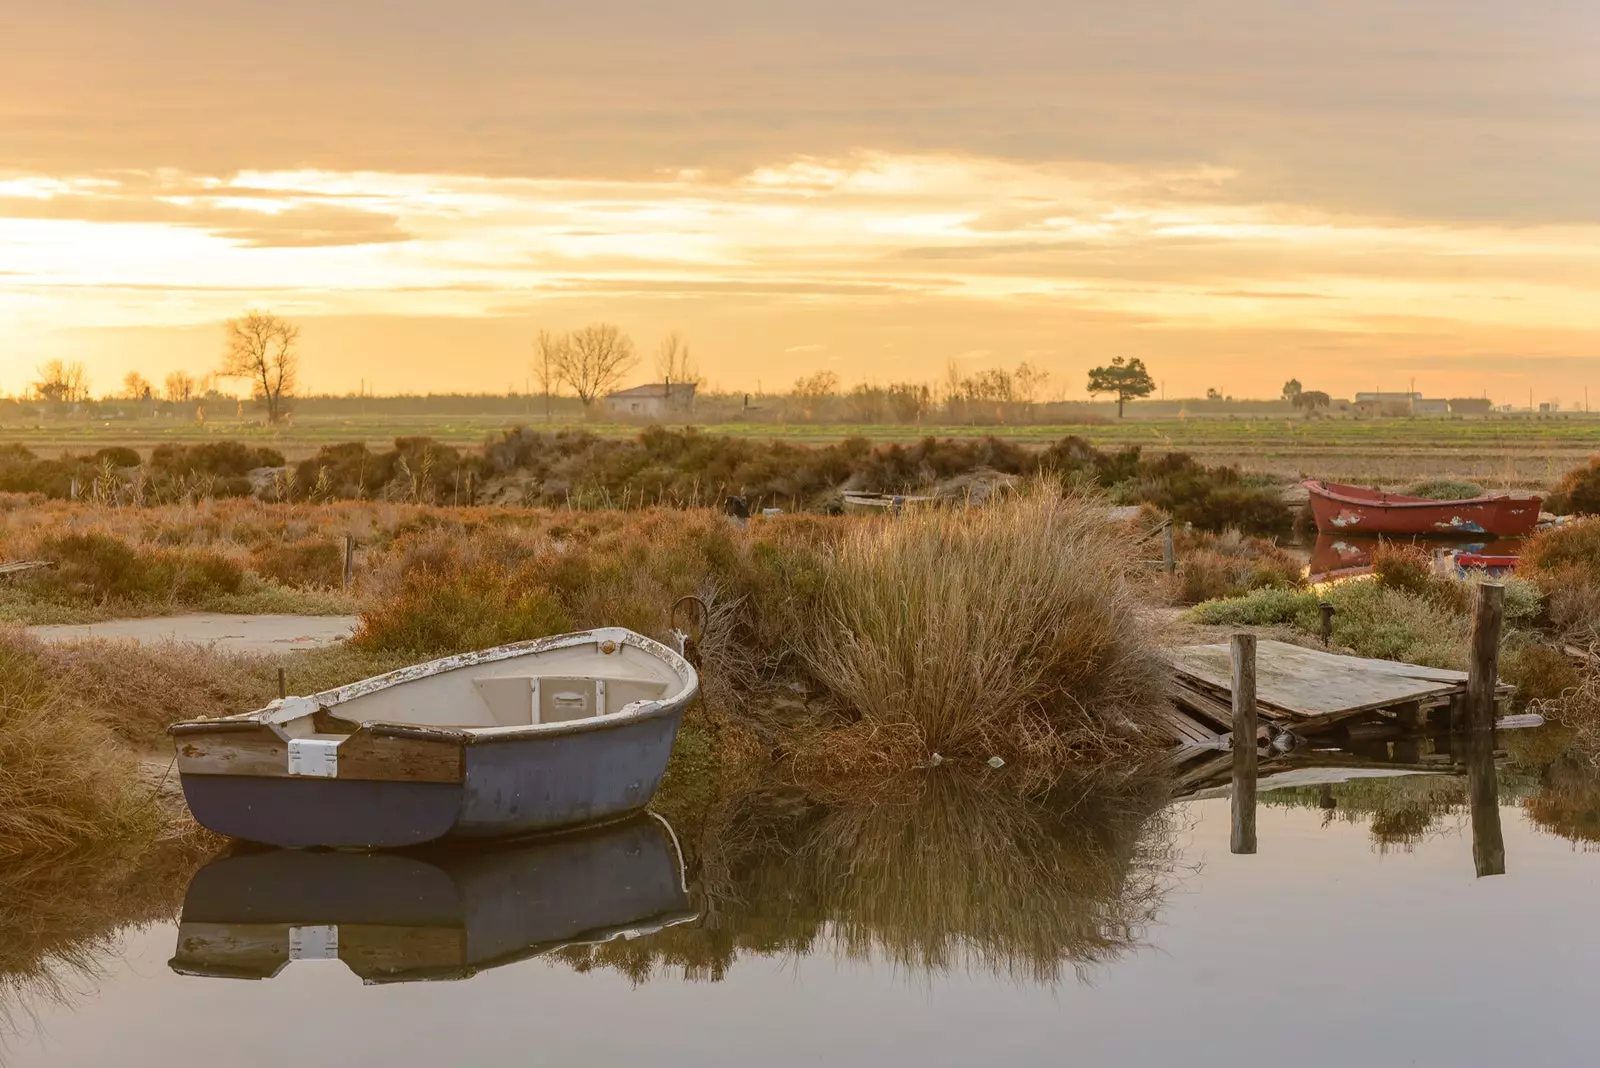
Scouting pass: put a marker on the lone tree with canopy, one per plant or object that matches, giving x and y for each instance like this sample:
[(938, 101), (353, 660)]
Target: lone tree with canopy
[(261, 348), (1128, 379)]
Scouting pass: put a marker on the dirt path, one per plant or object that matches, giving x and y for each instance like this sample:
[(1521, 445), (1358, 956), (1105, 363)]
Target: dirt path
[(236, 634)]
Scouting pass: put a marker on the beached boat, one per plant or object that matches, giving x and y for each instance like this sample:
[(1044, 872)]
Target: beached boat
[(1357, 510), (516, 740), (882, 503), (441, 913)]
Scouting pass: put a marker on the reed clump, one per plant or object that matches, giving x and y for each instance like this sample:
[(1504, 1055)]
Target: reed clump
[(1004, 630)]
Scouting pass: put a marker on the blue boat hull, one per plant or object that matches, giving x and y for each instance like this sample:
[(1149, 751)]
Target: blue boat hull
[(511, 785)]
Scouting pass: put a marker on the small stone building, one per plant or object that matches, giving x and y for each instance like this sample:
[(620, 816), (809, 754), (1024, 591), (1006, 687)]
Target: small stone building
[(658, 400)]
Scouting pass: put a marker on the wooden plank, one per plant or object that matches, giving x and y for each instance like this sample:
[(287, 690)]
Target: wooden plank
[(231, 749), (377, 754), (1188, 731), (1308, 682), (17, 567)]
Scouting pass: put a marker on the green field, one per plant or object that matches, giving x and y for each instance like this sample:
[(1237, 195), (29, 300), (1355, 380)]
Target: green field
[(1509, 451)]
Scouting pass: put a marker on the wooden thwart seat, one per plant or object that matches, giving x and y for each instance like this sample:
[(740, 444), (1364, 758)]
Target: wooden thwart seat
[(520, 699)]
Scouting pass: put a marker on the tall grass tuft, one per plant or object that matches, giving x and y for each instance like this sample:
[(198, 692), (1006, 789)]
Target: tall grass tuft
[(989, 630)]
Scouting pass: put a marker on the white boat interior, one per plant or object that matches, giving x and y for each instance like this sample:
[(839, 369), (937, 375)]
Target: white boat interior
[(600, 675)]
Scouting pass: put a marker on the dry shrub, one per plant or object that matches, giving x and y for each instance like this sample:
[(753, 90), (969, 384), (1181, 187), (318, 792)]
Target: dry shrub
[(92, 567), (1230, 565), (1539, 672), (65, 782), (988, 630), (1445, 489), (1409, 568), (1578, 710), (456, 608), (309, 562), (1578, 492), (1564, 562)]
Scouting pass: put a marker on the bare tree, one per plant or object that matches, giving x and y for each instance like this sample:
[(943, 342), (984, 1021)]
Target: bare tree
[(136, 386), (1029, 381), (593, 360), (547, 357), (65, 383), (673, 362), (179, 387), (261, 348)]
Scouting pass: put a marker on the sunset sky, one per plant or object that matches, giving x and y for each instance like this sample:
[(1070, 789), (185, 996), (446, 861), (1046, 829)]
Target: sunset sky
[(1356, 193)]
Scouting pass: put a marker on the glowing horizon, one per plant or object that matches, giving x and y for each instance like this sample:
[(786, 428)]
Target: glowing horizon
[(1307, 220)]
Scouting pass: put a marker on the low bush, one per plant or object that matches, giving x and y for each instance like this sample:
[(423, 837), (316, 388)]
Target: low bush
[(1564, 562), (1268, 607), (91, 567), (309, 562), (1227, 565), (1539, 672), (1578, 492)]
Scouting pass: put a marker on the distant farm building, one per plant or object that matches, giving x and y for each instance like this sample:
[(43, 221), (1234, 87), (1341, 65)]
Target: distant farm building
[(658, 400), (1471, 405), (1400, 404)]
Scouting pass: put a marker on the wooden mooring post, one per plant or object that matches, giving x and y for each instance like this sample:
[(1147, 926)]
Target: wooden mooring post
[(1169, 550), (349, 559), (283, 684), (1244, 743), (1483, 786), (1483, 673)]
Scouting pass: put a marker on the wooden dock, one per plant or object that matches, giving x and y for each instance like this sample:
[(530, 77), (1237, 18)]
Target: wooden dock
[(1306, 692)]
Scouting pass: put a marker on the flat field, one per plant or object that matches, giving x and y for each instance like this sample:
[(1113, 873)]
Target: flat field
[(1502, 451)]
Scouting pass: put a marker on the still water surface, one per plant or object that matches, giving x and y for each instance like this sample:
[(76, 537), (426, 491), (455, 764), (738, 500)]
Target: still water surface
[(1099, 929)]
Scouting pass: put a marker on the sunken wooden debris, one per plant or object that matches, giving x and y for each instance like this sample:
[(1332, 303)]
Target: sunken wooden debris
[(1306, 692)]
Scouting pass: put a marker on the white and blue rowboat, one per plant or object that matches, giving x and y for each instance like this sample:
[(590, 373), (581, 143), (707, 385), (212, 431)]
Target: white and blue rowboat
[(538, 736)]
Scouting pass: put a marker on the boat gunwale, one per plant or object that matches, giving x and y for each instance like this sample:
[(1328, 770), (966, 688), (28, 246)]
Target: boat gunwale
[(1380, 499), (330, 700)]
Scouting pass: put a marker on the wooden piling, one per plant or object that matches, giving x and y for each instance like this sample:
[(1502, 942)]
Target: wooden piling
[(1483, 673), (283, 684), (349, 559), (1327, 611), (1244, 743), (1169, 550)]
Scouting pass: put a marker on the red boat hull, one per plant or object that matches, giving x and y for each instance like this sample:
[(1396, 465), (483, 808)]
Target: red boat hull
[(1343, 509)]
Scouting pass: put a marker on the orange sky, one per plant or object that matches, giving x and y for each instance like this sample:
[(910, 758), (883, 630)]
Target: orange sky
[(1356, 194)]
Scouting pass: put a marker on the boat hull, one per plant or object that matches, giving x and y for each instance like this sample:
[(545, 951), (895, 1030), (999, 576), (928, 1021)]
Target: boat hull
[(1352, 510), (509, 786)]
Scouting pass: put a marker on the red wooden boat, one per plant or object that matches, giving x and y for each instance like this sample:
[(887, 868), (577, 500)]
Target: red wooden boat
[(1358, 510)]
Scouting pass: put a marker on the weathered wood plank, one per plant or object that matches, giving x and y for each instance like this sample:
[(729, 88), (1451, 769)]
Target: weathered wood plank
[(18, 567), (377, 755), (1310, 683), (232, 749)]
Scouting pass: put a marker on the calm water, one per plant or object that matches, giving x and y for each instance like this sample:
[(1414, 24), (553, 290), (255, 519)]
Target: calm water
[(1096, 926)]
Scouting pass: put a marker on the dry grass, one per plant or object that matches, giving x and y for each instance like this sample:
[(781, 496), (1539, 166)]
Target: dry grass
[(136, 691), (994, 630), (65, 781)]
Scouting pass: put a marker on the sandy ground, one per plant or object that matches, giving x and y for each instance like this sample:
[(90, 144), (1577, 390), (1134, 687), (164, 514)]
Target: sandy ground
[(237, 634)]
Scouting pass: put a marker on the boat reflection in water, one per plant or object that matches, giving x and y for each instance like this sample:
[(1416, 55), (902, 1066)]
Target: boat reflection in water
[(1336, 556), (444, 914)]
